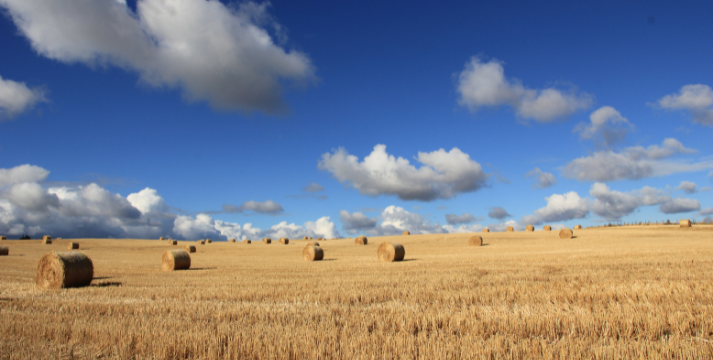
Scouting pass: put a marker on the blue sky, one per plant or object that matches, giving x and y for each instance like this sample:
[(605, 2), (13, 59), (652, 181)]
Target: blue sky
[(216, 115)]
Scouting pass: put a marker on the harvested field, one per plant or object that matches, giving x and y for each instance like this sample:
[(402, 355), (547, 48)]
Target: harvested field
[(630, 292)]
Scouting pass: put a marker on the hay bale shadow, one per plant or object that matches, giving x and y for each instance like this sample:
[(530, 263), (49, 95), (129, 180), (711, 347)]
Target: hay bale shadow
[(107, 284), (203, 268)]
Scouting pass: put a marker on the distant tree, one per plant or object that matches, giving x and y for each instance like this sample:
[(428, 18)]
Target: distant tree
[(25, 237)]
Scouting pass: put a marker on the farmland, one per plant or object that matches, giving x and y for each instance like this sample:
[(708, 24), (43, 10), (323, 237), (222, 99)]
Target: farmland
[(627, 292)]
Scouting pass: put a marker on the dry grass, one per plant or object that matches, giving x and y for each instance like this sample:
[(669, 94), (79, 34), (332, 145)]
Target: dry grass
[(611, 293)]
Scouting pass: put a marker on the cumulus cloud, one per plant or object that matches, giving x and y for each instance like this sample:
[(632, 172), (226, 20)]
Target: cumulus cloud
[(313, 188), (633, 163), (22, 173), (687, 187), (612, 205), (499, 227), (499, 213), (267, 207), (443, 175), (707, 211), (697, 99), (16, 98), (465, 218), (148, 201), (679, 205), (559, 208), (483, 84), (394, 220), (222, 54), (357, 221), (542, 179), (606, 128)]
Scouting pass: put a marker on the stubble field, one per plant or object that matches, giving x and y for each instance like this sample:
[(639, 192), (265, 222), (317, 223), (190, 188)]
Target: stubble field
[(631, 292)]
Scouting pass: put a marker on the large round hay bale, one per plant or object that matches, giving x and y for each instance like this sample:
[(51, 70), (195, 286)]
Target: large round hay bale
[(486, 230), (247, 241), (312, 253), (475, 240), (3, 237), (510, 229), (284, 241), (73, 246), (305, 238), (202, 242), (175, 260), (267, 241), (190, 248), (685, 223), (47, 241), (529, 228), (406, 233), (67, 269), (208, 241), (391, 251), (232, 240), (577, 227), (312, 243), (361, 240), (566, 233), (547, 228), (47, 237), (162, 238), (4, 251), (172, 242), (319, 238)]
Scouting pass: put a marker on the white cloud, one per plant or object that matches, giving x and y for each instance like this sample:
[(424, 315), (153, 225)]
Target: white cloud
[(503, 226), (542, 179), (612, 205), (313, 188), (222, 54), (559, 208), (465, 218), (267, 207), (148, 201), (22, 173), (698, 99), (357, 221), (679, 205), (394, 220), (483, 84), (443, 175), (607, 127), (498, 213), (16, 98), (633, 163), (707, 211), (687, 187)]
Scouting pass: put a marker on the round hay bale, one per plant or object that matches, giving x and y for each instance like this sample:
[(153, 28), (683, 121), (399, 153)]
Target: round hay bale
[(47, 237), (47, 241), (202, 242), (312, 243), (566, 233), (173, 242), (391, 251), (577, 227), (305, 238), (529, 228), (162, 238), (509, 229), (267, 241), (485, 230), (209, 241), (175, 260), (284, 241), (247, 241), (4, 251), (3, 237), (57, 270), (232, 240), (319, 238), (312, 253), (190, 248), (310, 238), (73, 246), (475, 240), (361, 240), (685, 223), (547, 228), (405, 233)]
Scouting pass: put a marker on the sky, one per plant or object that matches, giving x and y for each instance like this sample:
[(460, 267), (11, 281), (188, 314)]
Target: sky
[(224, 119)]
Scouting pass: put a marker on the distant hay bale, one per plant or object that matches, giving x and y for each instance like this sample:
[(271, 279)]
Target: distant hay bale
[(267, 241), (47, 241), (685, 223), (391, 251), (547, 228), (406, 233), (232, 240), (509, 229), (173, 242), (529, 228), (162, 238), (319, 238), (3, 237), (305, 238), (73, 246), (577, 227), (475, 240), (566, 233), (47, 237), (57, 270), (247, 241), (312, 253), (361, 240), (209, 241), (284, 241), (486, 230), (202, 242), (4, 251), (310, 238), (190, 248), (312, 243), (175, 260)]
